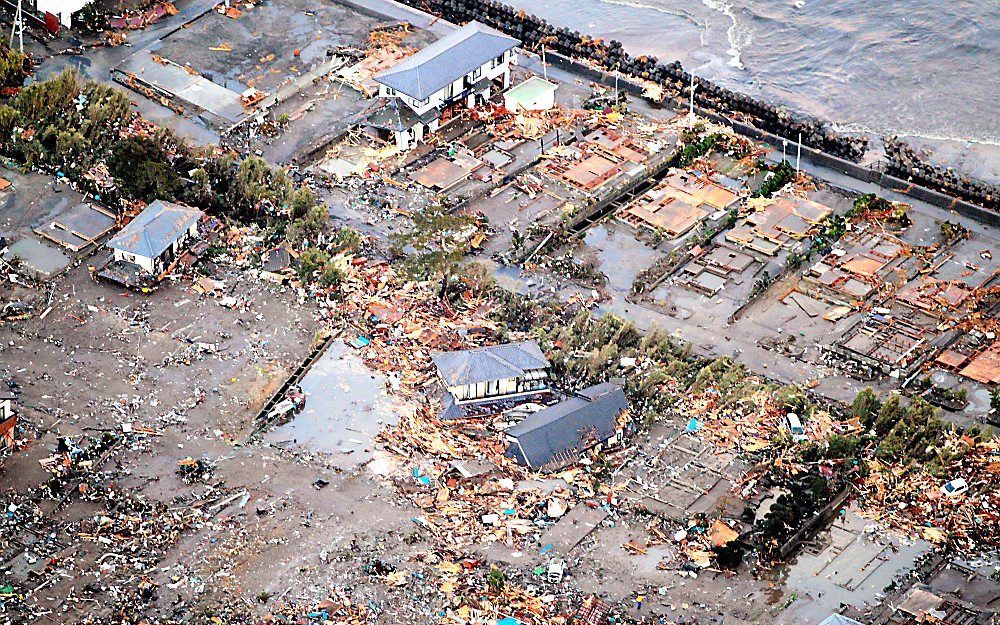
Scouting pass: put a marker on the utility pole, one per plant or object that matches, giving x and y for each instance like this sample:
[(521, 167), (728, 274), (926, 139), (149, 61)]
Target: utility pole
[(545, 69), (784, 144), (691, 109), (798, 154), (18, 28)]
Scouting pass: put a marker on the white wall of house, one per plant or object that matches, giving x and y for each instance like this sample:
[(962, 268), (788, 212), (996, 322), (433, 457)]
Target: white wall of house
[(492, 70), (484, 389), (534, 381), (156, 265), (147, 264)]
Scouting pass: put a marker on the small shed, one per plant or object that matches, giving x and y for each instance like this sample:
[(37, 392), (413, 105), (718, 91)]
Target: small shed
[(534, 94)]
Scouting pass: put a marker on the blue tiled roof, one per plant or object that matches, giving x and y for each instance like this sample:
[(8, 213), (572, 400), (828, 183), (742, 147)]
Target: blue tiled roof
[(155, 229), (446, 60)]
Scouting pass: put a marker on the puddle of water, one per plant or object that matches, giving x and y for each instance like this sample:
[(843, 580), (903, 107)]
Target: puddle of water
[(852, 566), (622, 256), (346, 406)]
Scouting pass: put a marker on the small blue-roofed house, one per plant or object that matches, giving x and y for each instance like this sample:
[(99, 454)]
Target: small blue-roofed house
[(156, 236)]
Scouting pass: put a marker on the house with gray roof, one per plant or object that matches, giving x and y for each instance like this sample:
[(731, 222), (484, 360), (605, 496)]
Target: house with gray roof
[(556, 436), (460, 68), (156, 236), (492, 373)]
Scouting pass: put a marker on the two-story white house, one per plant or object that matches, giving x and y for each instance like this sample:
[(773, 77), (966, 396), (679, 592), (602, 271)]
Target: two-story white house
[(156, 236), (488, 374), (460, 68)]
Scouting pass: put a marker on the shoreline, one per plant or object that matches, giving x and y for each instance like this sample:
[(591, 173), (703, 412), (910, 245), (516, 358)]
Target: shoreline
[(883, 172)]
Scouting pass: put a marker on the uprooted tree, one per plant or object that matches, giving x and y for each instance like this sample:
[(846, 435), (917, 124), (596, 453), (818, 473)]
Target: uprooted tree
[(436, 244)]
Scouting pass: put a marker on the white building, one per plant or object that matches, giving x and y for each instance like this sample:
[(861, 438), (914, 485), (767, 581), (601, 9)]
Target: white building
[(63, 9), (534, 94), (489, 373), (462, 68), (156, 236)]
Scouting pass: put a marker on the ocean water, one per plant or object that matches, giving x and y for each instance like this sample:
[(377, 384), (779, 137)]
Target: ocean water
[(922, 69)]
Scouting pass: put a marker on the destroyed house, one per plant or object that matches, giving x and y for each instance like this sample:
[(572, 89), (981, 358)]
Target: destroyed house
[(856, 268), (488, 373), (676, 205), (156, 236), (7, 420), (458, 68), (924, 604), (778, 224), (556, 436)]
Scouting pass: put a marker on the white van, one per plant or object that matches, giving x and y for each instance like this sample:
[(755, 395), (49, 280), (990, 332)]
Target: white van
[(556, 570), (795, 427)]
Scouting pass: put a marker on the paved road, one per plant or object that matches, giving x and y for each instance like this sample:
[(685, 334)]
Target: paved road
[(97, 64)]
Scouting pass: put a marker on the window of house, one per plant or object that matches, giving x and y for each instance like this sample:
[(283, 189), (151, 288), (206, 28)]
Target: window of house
[(497, 62), (493, 387), (423, 102), (476, 73), (390, 91)]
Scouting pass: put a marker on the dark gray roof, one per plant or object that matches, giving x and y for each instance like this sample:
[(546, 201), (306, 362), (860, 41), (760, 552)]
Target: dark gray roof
[(485, 364), (155, 229), (446, 60), (573, 424), (397, 116), (276, 259)]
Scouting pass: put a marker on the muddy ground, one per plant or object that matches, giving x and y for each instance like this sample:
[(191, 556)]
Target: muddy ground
[(310, 523)]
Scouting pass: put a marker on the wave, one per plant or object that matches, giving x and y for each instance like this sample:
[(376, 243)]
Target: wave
[(851, 128), (738, 35), (633, 4)]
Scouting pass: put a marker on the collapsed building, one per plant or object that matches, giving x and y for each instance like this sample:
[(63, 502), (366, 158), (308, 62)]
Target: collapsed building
[(778, 224), (859, 266), (678, 204), (557, 435)]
